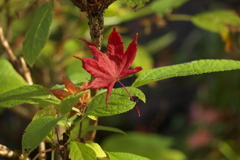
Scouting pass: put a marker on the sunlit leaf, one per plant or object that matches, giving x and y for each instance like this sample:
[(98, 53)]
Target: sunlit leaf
[(136, 4), (164, 6), (219, 21), (216, 21), (16, 6), (117, 13), (97, 149), (119, 102), (37, 33), (186, 69), (80, 151), (227, 150), (47, 111), (10, 79), (122, 155), (152, 146)]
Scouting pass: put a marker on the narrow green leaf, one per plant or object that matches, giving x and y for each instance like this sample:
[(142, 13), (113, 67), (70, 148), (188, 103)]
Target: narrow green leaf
[(37, 130), (164, 6), (37, 33), (186, 69), (33, 94), (121, 156), (119, 102), (216, 21), (68, 102), (104, 128), (136, 4), (97, 149), (80, 151), (10, 79)]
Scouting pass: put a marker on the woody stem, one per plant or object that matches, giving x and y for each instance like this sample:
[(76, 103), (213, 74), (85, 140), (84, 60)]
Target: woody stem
[(96, 25)]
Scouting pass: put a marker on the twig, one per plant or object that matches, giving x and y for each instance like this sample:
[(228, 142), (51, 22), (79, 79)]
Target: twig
[(21, 66), (26, 72), (42, 148), (43, 152), (90, 136), (13, 154), (5, 44)]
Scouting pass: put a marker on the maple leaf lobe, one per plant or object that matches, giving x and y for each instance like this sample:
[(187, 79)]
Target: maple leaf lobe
[(109, 68)]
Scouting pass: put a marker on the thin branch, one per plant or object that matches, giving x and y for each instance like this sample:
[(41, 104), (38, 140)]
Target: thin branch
[(21, 65), (5, 44), (22, 69), (90, 136), (41, 149), (26, 72), (43, 152)]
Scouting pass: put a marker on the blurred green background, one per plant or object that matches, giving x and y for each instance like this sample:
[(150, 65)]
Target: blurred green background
[(195, 117)]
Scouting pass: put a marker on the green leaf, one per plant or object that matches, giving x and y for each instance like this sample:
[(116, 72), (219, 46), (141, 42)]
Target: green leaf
[(80, 151), (33, 94), (164, 6), (97, 149), (104, 128), (136, 4), (47, 111), (37, 33), (37, 130), (68, 102), (10, 79), (121, 156), (119, 102), (186, 69), (216, 21), (152, 146), (227, 150)]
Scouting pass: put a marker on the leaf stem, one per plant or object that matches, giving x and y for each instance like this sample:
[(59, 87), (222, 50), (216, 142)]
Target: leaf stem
[(53, 154), (80, 131), (138, 111)]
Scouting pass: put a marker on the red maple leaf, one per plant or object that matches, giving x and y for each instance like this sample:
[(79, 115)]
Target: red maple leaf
[(109, 68)]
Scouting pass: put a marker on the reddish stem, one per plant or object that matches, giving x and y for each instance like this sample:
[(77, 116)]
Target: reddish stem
[(45, 151), (138, 111)]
